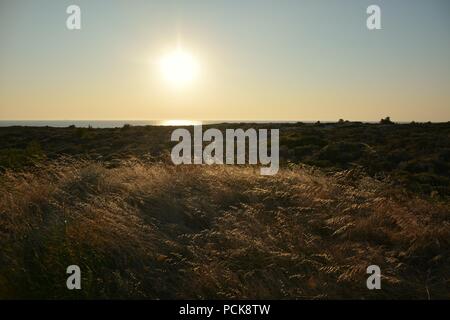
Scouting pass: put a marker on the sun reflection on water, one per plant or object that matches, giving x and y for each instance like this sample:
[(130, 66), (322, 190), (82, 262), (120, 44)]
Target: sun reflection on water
[(180, 123)]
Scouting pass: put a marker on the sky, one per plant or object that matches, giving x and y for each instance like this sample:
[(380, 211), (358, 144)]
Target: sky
[(258, 60)]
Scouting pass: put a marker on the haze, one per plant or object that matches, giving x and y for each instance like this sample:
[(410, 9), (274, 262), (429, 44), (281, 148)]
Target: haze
[(260, 60)]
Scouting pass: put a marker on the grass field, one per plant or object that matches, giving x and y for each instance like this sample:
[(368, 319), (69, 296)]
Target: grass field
[(145, 229)]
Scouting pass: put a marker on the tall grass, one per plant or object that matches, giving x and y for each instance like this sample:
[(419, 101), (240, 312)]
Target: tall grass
[(151, 230)]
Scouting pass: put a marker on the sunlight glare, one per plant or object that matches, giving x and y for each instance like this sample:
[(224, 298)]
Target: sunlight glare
[(180, 123), (179, 67)]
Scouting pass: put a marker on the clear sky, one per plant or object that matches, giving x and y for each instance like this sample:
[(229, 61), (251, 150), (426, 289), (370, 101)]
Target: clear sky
[(259, 60)]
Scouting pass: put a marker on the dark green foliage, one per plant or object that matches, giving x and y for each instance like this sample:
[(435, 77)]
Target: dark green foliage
[(17, 158), (343, 153), (397, 151)]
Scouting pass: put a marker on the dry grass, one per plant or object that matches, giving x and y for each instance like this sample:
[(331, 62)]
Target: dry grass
[(142, 230)]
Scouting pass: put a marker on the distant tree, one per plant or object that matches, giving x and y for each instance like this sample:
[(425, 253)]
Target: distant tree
[(386, 120)]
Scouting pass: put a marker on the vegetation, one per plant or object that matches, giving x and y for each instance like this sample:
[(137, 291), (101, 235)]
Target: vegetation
[(348, 195), (149, 230), (414, 156)]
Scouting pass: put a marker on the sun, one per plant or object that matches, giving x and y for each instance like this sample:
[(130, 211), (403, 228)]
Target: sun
[(179, 68)]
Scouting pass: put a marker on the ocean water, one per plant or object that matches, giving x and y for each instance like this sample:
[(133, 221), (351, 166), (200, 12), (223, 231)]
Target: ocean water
[(95, 123), (115, 123)]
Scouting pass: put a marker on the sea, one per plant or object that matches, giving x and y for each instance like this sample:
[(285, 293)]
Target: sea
[(118, 123)]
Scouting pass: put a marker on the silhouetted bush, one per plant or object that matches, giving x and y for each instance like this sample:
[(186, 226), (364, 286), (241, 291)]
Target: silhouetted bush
[(386, 120)]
